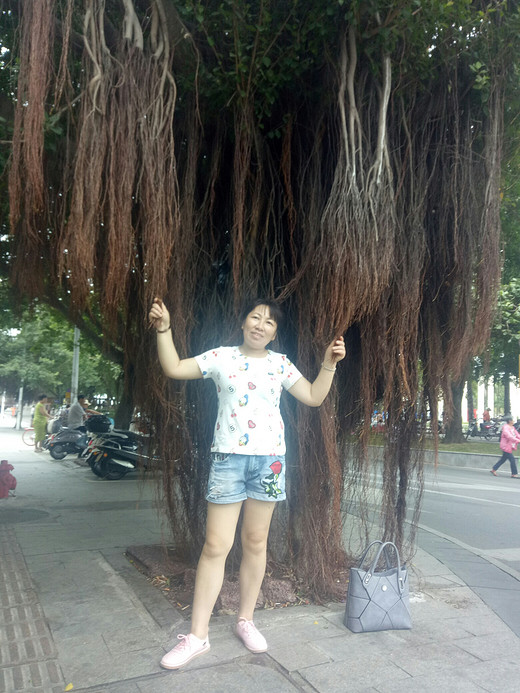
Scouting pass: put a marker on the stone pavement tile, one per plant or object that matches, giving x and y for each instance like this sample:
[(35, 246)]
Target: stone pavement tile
[(490, 647), (421, 660), (24, 644), (87, 662), (226, 678), (353, 676), (118, 687), (278, 617), (130, 639), (443, 603), (15, 597), (36, 677), (445, 681), (79, 621), (357, 645), (436, 582), (21, 613), (502, 675), (447, 629), (491, 625), (294, 657), (307, 627), (76, 562), (161, 611)]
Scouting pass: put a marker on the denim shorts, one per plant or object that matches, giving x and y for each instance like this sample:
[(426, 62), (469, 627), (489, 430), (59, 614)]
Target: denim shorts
[(233, 478)]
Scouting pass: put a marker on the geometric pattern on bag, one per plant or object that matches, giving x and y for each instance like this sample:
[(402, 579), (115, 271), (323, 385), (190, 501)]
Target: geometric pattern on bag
[(378, 600)]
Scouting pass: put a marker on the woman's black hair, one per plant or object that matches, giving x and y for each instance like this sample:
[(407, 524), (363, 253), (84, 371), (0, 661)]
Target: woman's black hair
[(40, 397), (275, 310), (509, 418)]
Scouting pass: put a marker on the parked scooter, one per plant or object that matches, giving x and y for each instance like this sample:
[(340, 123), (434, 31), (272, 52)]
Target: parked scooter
[(114, 454), (486, 430), (73, 440)]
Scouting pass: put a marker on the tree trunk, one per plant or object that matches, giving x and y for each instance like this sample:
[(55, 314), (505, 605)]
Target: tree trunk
[(454, 426), (507, 393), (125, 408), (471, 405)]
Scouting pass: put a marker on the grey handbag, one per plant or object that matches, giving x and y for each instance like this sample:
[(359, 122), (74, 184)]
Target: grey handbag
[(378, 600)]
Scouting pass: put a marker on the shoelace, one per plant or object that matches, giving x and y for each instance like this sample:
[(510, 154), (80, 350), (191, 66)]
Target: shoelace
[(248, 626), (183, 642)]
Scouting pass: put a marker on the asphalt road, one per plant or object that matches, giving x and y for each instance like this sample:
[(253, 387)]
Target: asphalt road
[(469, 522), (475, 510)]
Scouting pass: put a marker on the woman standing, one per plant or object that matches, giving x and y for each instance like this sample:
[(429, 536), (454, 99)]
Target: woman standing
[(508, 442), (248, 459), (40, 419)]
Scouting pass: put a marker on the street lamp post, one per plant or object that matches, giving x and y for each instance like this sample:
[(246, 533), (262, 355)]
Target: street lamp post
[(75, 367)]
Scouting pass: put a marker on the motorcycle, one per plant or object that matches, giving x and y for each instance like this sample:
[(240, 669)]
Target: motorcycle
[(487, 429), (114, 454), (74, 440)]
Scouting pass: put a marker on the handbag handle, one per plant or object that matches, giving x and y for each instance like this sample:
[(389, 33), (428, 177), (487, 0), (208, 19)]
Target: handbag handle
[(365, 552), (383, 549)]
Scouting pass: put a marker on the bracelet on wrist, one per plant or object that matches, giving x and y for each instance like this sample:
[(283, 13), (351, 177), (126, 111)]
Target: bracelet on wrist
[(326, 368), (163, 331)]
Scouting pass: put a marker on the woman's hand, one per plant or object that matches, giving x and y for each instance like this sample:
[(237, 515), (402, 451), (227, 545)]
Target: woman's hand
[(335, 352), (159, 316), (313, 394)]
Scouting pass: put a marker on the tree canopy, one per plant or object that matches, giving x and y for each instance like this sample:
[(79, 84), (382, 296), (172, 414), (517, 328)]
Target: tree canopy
[(343, 157), (36, 343)]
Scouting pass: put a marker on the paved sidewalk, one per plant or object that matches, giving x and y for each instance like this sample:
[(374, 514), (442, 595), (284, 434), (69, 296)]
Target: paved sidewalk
[(75, 612)]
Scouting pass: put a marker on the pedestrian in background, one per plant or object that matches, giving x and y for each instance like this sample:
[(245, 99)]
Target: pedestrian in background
[(41, 416), (78, 413), (508, 442)]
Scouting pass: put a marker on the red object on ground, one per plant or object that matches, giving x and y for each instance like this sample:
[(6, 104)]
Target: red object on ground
[(7, 480)]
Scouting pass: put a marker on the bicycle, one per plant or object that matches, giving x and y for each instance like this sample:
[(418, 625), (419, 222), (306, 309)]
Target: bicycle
[(28, 436)]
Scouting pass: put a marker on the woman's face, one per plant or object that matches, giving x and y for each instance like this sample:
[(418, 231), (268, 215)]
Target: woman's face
[(259, 328)]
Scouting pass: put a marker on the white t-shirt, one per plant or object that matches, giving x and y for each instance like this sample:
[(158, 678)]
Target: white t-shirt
[(249, 389), (76, 416)]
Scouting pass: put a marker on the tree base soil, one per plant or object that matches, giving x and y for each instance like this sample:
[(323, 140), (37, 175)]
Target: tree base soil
[(176, 580)]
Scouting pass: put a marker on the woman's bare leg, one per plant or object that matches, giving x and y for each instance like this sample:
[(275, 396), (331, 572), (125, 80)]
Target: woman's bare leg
[(255, 529), (220, 534)]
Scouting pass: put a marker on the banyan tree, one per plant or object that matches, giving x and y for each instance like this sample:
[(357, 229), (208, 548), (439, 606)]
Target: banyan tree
[(342, 157)]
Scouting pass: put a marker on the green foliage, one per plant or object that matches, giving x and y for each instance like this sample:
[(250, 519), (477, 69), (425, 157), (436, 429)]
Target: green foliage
[(258, 51), (504, 346), (36, 344)]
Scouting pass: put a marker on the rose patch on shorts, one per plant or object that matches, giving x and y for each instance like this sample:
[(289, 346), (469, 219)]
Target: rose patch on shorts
[(270, 482)]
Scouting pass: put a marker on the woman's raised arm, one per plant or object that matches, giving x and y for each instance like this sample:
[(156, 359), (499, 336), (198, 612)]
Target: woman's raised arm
[(173, 366), (313, 394)]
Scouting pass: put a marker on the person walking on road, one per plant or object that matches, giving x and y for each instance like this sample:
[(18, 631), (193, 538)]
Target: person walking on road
[(40, 418), (508, 442), (247, 473)]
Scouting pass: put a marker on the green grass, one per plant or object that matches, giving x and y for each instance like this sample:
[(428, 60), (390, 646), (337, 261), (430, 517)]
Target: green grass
[(483, 447)]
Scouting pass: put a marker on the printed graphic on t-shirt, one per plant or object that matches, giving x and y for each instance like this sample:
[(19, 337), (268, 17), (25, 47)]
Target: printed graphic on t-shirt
[(249, 389)]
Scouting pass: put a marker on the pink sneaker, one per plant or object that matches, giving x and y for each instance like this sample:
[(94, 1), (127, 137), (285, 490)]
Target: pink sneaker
[(250, 636), (189, 647)]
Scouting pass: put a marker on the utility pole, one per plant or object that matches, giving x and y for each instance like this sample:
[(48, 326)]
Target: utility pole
[(19, 411), (75, 367)]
